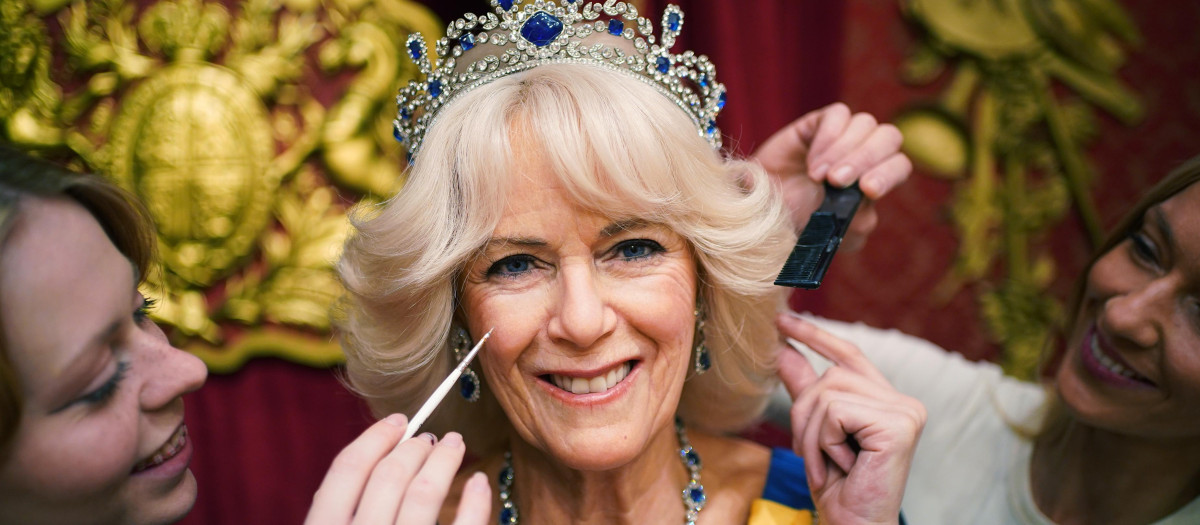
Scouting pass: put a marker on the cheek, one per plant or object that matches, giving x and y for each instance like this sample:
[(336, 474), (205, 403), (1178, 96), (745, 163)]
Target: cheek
[(1183, 369), (516, 317), (662, 307), (75, 459)]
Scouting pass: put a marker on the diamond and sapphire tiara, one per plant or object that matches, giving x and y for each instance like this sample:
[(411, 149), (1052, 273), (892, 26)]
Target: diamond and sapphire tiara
[(527, 34)]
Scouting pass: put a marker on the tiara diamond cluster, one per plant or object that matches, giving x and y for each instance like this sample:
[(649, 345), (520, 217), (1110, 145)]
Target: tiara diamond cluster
[(526, 34)]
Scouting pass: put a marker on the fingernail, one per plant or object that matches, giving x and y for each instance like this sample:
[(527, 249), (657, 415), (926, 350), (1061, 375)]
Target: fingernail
[(452, 439), (820, 171), (793, 318), (432, 438), (478, 482), (398, 420), (839, 175)]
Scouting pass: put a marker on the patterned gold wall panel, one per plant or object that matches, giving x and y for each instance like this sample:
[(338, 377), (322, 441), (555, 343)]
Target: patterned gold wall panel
[(248, 129), (1026, 79)]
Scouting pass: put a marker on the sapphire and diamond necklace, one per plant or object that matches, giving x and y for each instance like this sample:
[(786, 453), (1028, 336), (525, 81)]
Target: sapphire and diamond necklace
[(693, 493)]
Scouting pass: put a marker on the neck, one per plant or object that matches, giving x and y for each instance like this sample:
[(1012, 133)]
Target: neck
[(649, 485), (1082, 474)]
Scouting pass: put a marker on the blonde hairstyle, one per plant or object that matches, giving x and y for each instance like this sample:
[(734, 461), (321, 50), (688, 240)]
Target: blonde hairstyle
[(621, 148), (121, 216), (1175, 182)]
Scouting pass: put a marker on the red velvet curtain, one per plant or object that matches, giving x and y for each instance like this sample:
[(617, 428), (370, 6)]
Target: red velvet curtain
[(778, 59)]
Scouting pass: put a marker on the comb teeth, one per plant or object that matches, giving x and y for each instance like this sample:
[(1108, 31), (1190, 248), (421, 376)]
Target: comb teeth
[(800, 264), (809, 260)]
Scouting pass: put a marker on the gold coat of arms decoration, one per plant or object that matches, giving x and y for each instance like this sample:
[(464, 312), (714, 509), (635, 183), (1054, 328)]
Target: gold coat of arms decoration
[(1006, 131), (248, 130)]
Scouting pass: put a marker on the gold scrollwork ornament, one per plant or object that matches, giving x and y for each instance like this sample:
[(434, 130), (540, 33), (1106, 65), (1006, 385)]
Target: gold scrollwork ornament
[(1015, 144), (206, 116)]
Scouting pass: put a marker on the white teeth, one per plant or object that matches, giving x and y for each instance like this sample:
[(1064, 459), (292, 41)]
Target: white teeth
[(167, 451), (579, 386), (593, 385), (1108, 363)]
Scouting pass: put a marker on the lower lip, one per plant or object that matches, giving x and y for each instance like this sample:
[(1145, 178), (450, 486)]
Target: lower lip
[(1098, 370), (172, 467), (591, 400)]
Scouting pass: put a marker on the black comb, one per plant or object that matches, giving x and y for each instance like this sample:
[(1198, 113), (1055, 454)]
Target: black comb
[(806, 266)]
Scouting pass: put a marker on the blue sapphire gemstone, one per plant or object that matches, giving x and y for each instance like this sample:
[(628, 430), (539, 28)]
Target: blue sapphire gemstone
[(435, 88), (704, 361), (696, 495), (703, 80), (506, 4), (663, 64), (616, 27), (721, 101), (396, 133), (414, 50), (466, 387), (404, 114), (507, 517), (505, 476), (692, 458), (467, 41), (673, 21), (541, 28)]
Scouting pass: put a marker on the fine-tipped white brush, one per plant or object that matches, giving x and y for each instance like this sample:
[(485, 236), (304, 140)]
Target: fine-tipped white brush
[(439, 394)]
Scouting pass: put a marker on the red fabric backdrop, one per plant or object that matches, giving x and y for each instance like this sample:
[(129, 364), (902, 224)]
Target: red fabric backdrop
[(265, 435)]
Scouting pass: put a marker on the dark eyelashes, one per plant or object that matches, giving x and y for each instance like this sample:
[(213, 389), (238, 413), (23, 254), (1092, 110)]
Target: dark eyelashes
[(498, 268), (1143, 248), (143, 311), (106, 391), (649, 246)]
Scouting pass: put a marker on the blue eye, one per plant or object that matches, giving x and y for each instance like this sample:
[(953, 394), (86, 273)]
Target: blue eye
[(511, 265), (638, 249)]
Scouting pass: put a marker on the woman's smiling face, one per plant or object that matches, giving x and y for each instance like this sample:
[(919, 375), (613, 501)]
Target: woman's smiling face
[(1133, 367), (101, 436), (594, 322)]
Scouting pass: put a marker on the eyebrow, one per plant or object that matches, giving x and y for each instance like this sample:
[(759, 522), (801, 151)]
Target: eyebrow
[(606, 232), (624, 225), (517, 241)]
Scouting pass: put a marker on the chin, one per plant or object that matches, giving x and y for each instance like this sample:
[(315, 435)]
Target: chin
[(169, 507), (601, 448)]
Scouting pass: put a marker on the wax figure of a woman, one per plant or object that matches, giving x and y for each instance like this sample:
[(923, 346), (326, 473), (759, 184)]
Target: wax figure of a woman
[(1113, 436), (91, 414), (567, 189)]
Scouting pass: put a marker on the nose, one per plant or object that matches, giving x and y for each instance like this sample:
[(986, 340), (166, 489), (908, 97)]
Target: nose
[(167, 372), (1137, 315), (583, 315)]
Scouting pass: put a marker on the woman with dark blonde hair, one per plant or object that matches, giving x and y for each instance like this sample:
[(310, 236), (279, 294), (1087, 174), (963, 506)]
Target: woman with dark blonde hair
[(91, 415), (91, 409), (1113, 434)]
